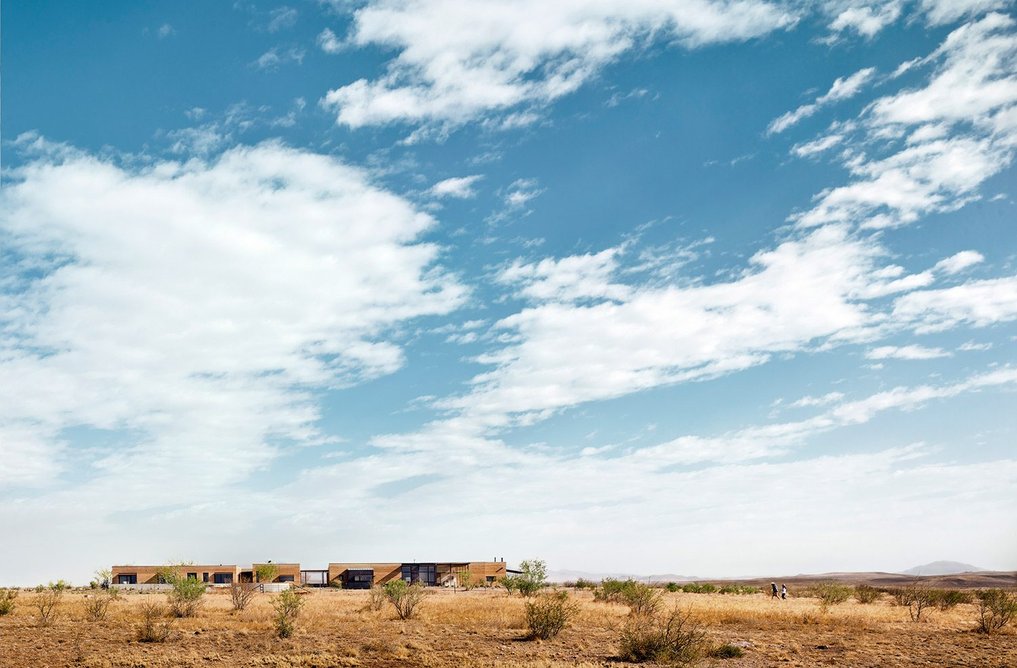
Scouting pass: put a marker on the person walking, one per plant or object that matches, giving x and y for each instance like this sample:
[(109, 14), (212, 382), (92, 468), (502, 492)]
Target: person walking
[(783, 592), (773, 590)]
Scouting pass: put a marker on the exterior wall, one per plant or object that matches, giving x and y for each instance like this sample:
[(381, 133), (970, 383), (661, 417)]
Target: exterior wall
[(150, 574), (382, 572), (283, 571)]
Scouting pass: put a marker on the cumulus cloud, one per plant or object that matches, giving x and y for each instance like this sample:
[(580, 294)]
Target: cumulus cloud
[(329, 42), (461, 60), (975, 303), (959, 262), (193, 307)]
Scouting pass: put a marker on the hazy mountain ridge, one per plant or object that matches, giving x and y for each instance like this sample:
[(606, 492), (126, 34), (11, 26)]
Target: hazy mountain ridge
[(943, 568)]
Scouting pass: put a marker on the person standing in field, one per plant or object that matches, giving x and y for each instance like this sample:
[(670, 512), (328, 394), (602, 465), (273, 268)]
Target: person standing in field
[(783, 592), (773, 590)]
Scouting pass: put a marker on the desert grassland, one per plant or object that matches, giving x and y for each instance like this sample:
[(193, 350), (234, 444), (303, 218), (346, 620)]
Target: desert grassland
[(487, 628)]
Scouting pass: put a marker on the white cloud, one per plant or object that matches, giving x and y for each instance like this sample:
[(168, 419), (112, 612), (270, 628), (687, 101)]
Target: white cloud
[(843, 88), (458, 187), (194, 307), (521, 192), (282, 18), (165, 30), (817, 146), (272, 59), (808, 402), (329, 42), (976, 303), (959, 262), (940, 12), (568, 279), (461, 60), (911, 352), (971, 346), (958, 130), (866, 17)]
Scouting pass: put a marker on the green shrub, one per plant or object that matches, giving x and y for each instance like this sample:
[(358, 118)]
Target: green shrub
[(917, 597), (866, 594), (186, 593), (641, 598), (831, 594), (266, 572), (549, 614), (697, 588), (672, 587), (583, 583), (671, 638), (287, 607), (533, 577), (949, 598), (404, 597), (153, 627), (996, 609), (7, 600)]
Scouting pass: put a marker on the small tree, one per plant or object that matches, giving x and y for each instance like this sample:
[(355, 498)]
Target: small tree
[(241, 594), (405, 597), (376, 599), (996, 609), (533, 577), (103, 578), (549, 614), (46, 600), (7, 600), (185, 597), (287, 607), (266, 572), (465, 578), (918, 597), (866, 593)]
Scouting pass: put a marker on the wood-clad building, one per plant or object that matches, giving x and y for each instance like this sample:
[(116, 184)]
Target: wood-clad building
[(348, 575)]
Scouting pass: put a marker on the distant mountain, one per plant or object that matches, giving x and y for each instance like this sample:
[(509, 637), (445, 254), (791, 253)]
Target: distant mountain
[(564, 575), (943, 568)]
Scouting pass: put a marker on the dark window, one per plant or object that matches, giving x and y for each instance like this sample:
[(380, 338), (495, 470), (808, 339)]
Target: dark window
[(490, 579), (422, 573), (192, 576), (222, 578), (127, 579), (285, 578), (204, 577)]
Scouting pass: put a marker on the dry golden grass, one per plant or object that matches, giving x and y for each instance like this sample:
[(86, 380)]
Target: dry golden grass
[(485, 628)]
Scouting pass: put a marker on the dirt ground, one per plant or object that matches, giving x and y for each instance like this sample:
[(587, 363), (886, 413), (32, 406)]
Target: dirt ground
[(486, 628)]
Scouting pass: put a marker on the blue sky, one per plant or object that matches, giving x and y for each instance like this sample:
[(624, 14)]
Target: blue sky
[(714, 288)]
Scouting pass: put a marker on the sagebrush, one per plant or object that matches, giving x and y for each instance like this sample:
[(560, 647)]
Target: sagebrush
[(549, 614)]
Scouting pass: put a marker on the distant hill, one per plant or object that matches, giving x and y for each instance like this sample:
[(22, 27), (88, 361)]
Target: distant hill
[(565, 575), (943, 568)]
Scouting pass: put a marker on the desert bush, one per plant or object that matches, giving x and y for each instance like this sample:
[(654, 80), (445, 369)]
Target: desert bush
[(831, 594), (917, 597), (46, 600), (287, 607), (97, 605), (404, 597), (153, 627), (241, 593), (697, 588), (186, 593), (376, 599), (7, 601), (583, 583), (549, 614), (673, 587), (671, 638), (533, 577), (866, 594), (727, 651), (948, 598), (641, 598), (996, 609)]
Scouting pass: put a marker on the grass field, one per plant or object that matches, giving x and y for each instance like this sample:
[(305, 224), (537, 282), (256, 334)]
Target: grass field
[(486, 628)]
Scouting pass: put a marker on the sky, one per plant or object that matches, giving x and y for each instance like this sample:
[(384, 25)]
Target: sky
[(702, 287)]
